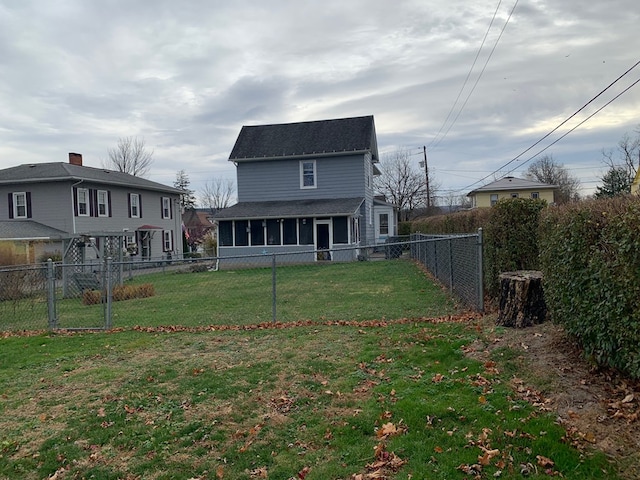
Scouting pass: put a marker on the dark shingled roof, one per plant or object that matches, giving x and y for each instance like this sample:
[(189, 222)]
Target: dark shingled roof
[(60, 171), (291, 209), (28, 230), (317, 138)]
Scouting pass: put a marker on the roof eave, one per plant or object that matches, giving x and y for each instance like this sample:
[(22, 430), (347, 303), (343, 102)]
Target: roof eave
[(301, 156)]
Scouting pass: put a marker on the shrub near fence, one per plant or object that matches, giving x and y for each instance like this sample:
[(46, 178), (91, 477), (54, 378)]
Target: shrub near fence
[(510, 231), (590, 256)]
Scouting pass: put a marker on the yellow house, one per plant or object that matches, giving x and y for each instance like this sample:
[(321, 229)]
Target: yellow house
[(511, 187), (635, 185)]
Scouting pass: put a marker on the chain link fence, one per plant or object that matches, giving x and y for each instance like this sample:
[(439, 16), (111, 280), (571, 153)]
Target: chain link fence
[(242, 290)]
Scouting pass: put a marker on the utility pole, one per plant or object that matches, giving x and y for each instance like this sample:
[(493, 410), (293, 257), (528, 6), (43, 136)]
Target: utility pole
[(426, 173)]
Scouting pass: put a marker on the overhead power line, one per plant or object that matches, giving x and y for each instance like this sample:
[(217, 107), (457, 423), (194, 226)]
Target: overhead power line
[(484, 67), (560, 125), (464, 84)]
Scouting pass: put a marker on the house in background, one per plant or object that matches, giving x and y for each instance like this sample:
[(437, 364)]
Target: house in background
[(635, 185), (198, 225), (511, 187), (100, 211), (303, 187)]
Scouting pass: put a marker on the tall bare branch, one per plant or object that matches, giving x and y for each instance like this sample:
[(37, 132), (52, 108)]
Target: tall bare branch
[(217, 193), (130, 156)]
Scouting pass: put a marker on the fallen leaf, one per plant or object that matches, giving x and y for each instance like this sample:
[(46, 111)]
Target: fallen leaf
[(545, 462)]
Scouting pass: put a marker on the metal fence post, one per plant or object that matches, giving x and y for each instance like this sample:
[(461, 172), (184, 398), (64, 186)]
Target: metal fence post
[(273, 288), (450, 265), (480, 272), (107, 292), (51, 294)]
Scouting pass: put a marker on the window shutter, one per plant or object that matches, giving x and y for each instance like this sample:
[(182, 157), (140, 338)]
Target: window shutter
[(75, 201), (164, 248), (170, 208), (129, 203), (28, 204), (140, 205), (10, 202), (109, 202), (93, 200), (161, 209)]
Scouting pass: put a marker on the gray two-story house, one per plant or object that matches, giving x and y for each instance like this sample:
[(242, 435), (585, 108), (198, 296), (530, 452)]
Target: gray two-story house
[(302, 187), (60, 202)]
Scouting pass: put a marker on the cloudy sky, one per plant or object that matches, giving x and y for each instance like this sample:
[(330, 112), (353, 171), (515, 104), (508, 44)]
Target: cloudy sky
[(77, 75)]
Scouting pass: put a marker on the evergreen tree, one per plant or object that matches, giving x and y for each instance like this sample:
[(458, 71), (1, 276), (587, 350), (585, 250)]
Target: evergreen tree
[(187, 199), (615, 182)]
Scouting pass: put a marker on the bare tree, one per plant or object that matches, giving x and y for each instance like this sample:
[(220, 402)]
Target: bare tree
[(217, 194), (546, 170), (402, 184), (130, 156), (627, 158)]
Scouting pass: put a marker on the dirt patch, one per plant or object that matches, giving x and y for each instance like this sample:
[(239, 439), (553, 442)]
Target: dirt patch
[(598, 408)]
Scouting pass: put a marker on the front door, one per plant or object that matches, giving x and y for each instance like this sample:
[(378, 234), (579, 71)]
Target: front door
[(323, 244)]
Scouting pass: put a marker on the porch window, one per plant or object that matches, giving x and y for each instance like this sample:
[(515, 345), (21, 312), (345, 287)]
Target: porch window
[(308, 174), (273, 232), (83, 202), (257, 232), (290, 231), (225, 231), (340, 230), (384, 224), (242, 233), (306, 231)]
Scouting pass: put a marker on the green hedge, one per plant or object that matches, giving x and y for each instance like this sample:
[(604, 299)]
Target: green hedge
[(510, 235), (511, 239), (590, 256)]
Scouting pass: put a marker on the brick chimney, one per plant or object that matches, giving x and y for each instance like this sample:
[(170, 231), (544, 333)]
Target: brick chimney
[(75, 159)]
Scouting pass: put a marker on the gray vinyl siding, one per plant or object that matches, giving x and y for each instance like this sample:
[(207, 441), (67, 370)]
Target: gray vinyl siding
[(52, 205), (336, 177)]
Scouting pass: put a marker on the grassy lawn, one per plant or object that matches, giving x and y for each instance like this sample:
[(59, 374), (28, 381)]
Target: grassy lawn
[(365, 388), (314, 402), (337, 291)]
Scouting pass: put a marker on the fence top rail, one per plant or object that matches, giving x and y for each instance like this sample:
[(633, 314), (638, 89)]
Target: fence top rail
[(430, 237)]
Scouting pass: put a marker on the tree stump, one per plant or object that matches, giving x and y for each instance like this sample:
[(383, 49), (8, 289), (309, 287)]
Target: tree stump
[(521, 299)]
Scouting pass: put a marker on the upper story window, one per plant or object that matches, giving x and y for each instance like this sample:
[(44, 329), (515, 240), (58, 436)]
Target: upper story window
[(166, 207), (103, 203), (134, 205), (83, 202), (19, 205), (308, 174)]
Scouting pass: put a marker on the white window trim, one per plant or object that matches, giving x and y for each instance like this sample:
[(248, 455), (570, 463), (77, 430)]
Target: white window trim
[(105, 194), (85, 203), (166, 207), (17, 195), (315, 175), (535, 195), (167, 240), (135, 205)]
